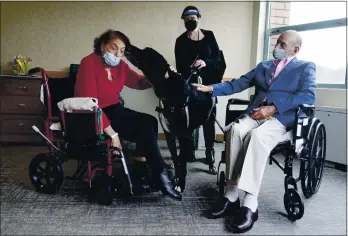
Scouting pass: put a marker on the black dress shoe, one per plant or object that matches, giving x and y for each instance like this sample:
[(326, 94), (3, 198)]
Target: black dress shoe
[(244, 221), (223, 207), (167, 187)]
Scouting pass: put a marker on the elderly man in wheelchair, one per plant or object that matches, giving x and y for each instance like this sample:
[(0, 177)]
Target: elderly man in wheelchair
[(282, 88)]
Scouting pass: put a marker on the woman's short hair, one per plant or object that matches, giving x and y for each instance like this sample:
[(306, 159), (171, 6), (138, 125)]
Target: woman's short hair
[(190, 10), (108, 35)]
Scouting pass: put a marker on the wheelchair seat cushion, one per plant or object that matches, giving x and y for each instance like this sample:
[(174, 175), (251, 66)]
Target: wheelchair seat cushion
[(78, 103)]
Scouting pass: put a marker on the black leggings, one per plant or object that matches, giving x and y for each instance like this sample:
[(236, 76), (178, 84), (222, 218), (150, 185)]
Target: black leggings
[(139, 128), (209, 130)]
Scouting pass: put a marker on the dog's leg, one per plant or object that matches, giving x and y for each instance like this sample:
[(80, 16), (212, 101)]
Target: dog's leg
[(181, 164), (171, 143)]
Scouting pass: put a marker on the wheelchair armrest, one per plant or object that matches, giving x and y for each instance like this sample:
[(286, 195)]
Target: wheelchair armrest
[(307, 106), (238, 101), (308, 109)]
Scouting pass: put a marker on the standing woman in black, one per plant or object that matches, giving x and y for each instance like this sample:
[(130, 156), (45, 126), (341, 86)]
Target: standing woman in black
[(197, 48)]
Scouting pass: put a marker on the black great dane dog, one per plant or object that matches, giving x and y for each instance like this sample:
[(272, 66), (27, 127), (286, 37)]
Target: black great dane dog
[(181, 107)]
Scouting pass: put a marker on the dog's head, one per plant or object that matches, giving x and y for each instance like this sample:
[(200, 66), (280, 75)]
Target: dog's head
[(149, 61), (155, 68)]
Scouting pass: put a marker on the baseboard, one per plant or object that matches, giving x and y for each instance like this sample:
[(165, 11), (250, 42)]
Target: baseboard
[(218, 137)]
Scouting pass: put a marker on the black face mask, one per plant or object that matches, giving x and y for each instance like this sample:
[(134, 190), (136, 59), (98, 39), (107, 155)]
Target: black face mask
[(191, 25)]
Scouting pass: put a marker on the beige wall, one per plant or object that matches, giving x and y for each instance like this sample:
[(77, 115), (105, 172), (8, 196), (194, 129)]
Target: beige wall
[(56, 34)]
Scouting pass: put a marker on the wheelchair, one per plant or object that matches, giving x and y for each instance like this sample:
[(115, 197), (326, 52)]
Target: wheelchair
[(305, 142), (81, 139), (85, 143)]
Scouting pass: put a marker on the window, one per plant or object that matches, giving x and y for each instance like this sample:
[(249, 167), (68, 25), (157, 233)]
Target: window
[(323, 27)]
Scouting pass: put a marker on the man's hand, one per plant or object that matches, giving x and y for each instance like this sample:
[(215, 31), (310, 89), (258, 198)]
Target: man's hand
[(199, 64), (203, 88), (263, 112)]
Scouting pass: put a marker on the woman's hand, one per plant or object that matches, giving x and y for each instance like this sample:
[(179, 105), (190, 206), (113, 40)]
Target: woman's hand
[(172, 68), (115, 142), (199, 64)]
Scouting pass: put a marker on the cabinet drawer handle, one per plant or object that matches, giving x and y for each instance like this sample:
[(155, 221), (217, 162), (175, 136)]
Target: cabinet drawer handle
[(21, 105), (20, 124), (23, 88)]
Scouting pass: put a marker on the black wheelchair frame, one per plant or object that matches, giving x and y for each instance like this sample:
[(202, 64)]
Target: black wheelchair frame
[(312, 156)]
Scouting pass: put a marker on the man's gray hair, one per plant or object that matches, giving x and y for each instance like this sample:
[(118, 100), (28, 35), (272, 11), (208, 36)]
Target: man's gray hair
[(297, 36)]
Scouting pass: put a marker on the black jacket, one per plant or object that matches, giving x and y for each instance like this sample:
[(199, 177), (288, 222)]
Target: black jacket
[(207, 49)]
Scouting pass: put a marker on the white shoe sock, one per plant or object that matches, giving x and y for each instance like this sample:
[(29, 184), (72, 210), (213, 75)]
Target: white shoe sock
[(231, 192), (250, 201)]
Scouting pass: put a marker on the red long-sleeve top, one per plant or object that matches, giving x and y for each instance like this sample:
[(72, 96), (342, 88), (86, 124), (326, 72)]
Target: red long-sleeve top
[(92, 81)]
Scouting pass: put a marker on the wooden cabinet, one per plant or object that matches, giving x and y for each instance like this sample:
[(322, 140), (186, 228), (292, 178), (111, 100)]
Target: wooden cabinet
[(335, 121), (20, 108)]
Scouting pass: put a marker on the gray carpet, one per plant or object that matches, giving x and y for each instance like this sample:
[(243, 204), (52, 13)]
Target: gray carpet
[(68, 212)]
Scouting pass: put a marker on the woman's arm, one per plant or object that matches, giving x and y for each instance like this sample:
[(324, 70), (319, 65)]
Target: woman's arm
[(215, 56), (86, 84), (135, 80), (181, 60)]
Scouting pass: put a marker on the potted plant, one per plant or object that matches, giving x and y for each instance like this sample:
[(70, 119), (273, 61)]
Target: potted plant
[(20, 65)]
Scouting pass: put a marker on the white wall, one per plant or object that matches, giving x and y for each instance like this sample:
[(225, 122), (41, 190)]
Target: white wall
[(56, 34)]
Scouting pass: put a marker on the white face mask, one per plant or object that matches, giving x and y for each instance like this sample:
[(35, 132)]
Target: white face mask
[(280, 54), (111, 59)]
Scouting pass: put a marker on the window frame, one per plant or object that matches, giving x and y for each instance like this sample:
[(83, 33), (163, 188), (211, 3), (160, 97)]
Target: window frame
[(340, 22)]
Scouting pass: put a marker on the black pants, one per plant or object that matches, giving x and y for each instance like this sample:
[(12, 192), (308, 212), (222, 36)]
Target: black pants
[(139, 128), (209, 131)]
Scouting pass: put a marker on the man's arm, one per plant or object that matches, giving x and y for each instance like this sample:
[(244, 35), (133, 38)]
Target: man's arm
[(304, 95), (235, 85)]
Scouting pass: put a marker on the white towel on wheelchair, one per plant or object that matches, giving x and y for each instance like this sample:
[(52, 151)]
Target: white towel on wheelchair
[(78, 103)]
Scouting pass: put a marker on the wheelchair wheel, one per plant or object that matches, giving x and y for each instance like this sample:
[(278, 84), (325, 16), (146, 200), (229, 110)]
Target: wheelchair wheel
[(307, 162), (222, 183), (293, 204), (305, 179), (46, 173), (318, 155)]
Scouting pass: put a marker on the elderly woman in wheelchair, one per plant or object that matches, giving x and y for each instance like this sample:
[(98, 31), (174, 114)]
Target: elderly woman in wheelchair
[(282, 87), (102, 76)]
